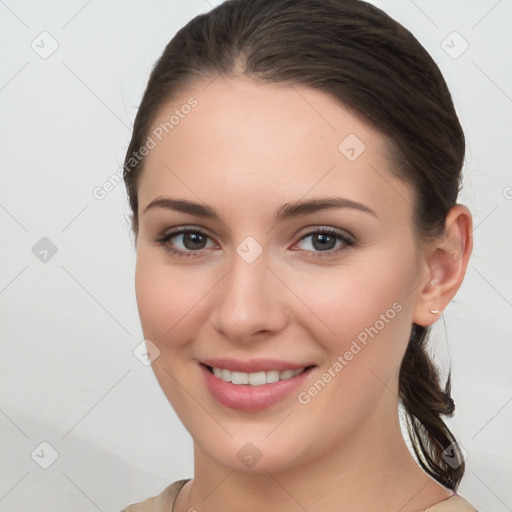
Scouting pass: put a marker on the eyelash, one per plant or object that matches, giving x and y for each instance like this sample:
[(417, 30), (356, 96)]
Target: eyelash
[(347, 241)]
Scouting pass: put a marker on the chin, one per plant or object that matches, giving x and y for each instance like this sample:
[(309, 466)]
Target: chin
[(256, 456)]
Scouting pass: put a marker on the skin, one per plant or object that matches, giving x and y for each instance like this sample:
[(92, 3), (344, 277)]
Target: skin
[(246, 149)]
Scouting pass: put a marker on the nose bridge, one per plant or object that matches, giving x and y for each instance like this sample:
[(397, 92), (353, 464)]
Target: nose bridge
[(250, 299)]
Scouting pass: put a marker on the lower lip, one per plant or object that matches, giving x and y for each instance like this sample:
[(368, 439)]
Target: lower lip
[(246, 397)]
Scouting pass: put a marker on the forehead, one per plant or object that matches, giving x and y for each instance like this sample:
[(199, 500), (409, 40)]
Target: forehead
[(264, 143)]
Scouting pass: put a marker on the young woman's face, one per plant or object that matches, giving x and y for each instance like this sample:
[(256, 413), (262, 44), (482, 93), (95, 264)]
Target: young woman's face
[(261, 284)]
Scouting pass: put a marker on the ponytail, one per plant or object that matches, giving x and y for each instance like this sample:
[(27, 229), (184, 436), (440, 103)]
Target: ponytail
[(424, 402)]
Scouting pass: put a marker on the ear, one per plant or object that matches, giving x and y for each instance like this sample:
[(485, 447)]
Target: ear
[(445, 262)]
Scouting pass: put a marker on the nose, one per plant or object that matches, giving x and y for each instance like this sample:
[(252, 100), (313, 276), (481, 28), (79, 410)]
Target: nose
[(250, 301)]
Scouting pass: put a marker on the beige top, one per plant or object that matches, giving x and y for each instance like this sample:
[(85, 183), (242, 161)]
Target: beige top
[(164, 502)]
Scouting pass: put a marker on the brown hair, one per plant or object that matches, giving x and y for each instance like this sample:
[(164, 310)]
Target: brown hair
[(364, 59)]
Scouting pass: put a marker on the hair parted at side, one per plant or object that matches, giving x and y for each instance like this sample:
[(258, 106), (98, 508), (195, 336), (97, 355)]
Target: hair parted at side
[(370, 63)]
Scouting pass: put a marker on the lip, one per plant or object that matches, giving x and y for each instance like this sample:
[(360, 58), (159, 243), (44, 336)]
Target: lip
[(248, 398)]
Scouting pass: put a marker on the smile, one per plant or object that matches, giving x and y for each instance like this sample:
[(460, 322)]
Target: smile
[(257, 378), (252, 391)]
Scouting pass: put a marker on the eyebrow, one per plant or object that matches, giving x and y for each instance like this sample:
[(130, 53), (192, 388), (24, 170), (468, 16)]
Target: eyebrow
[(285, 212)]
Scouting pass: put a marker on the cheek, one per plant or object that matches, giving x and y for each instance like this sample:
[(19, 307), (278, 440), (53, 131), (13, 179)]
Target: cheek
[(168, 298), (169, 304), (370, 314), (362, 312), (358, 375)]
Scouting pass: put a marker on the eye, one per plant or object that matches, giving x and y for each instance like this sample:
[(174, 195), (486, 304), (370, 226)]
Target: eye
[(327, 240), (192, 241)]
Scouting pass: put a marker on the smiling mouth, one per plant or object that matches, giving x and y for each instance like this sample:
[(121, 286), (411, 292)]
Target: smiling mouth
[(256, 378)]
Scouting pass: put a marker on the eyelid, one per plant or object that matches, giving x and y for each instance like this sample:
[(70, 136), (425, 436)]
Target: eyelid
[(323, 228), (187, 228)]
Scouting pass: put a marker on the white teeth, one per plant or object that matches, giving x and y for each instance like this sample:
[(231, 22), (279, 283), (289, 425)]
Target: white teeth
[(286, 374), (256, 378), (239, 378), (272, 376)]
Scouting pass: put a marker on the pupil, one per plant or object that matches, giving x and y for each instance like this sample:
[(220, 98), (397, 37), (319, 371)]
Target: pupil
[(195, 239), (324, 238)]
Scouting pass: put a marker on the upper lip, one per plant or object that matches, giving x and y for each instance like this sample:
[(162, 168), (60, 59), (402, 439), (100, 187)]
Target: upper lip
[(252, 365)]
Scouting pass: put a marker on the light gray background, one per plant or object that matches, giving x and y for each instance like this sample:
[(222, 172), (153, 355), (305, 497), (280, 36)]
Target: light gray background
[(69, 325)]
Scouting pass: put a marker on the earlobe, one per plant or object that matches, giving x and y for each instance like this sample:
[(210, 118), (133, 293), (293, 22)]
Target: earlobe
[(447, 260)]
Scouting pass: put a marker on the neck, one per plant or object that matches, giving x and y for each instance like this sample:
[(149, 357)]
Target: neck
[(373, 470)]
